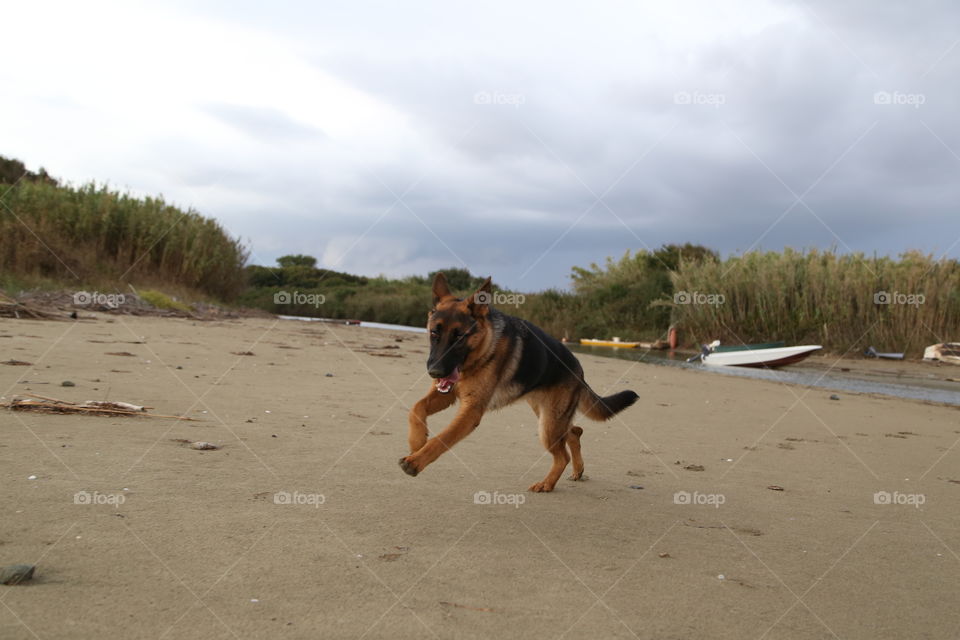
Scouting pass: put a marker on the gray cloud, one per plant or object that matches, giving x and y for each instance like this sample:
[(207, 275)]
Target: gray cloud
[(694, 128)]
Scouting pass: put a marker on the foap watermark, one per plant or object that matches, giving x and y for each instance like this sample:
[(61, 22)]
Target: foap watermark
[(698, 297), (299, 298), (300, 499), (499, 298), (485, 497), (914, 100), (499, 98), (95, 497), (696, 498), (88, 298), (908, 499), (715, 100), (912, 299)]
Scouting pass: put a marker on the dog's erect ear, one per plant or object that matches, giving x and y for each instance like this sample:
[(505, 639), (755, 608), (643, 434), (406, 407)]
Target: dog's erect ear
[(440, 288), (486, 287), (481, 300)]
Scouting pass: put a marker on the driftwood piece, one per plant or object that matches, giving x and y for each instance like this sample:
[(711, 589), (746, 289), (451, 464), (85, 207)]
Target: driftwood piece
[(15, 309), (43, 404)]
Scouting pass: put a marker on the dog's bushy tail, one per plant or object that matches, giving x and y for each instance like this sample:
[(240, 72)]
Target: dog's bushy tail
[(597, 408)]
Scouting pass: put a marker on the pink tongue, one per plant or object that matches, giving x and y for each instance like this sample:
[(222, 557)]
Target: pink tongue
[(445, 384)]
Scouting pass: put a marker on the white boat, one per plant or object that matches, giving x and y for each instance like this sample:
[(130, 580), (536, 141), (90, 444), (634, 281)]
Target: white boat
[(944, 352), (763, 358)]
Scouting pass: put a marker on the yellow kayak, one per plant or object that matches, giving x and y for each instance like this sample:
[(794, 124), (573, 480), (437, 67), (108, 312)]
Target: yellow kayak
[(608, 343)]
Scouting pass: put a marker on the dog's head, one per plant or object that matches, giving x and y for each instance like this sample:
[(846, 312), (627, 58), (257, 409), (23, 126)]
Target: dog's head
[(457, 329)]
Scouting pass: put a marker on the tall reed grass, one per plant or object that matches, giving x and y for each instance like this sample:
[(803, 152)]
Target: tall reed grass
[(92, 234), (846, 302)]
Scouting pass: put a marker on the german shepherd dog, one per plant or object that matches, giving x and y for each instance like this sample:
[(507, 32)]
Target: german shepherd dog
[(487, 360)]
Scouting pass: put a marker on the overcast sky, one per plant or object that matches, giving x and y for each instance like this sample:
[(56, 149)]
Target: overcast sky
[(516, 139)]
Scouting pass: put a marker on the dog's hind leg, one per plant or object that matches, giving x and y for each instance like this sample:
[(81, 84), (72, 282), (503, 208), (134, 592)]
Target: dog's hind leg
[(554, 428), (573, 442)]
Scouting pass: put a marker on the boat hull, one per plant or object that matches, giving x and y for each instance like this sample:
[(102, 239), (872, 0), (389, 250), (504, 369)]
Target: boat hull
[(608, 343), (760, 358), (726, 348)]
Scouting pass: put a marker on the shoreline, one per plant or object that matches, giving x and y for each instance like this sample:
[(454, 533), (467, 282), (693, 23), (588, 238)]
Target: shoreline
[(907, 379)]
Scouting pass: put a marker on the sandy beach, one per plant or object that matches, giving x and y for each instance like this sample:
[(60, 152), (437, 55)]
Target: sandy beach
[(716, 507)]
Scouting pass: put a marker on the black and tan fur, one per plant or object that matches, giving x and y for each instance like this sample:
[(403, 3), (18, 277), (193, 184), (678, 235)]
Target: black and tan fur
[(501, 359)]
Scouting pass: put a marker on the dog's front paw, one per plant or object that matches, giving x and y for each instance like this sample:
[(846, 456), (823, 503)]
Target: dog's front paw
[(409, 466), (541, 487)]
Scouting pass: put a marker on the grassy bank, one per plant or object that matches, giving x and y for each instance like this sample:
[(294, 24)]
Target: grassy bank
[(612, 299), (297, 287), (92, 234), (844, 302)]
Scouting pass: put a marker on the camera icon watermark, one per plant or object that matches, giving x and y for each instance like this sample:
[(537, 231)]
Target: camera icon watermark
[(696, 297), (299, 298), (910, 499), (715, 100), (89, 298), (914, 100), (485, 497), (499, 298), (911, 299), (697, 498), (297, 498), (498, 98), (93, 498)]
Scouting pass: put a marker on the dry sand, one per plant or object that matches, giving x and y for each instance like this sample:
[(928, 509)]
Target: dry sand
[(200, 547)]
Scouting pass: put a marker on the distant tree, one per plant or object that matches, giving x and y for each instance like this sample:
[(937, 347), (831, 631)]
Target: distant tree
[(459, 279), (628, 290), (12, 170), (298, 260)]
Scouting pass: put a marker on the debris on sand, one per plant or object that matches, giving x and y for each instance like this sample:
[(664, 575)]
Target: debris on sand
[(775, 487), (16, 573), (464, 606), (43, 404), (199, 445), (873, 353), (16, 363), (378, 350), (12, 309)]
